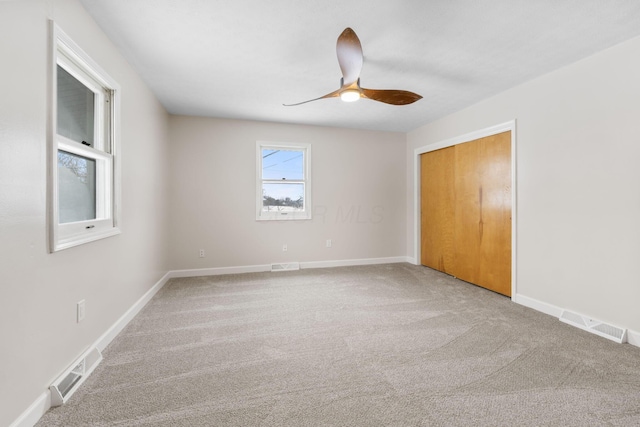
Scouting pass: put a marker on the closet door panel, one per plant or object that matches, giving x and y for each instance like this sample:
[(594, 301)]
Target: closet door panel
[(482, 225), (437, 207)]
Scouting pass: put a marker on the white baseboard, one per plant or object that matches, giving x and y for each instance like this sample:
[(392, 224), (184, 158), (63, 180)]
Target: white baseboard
[(34, 412), (117, 327), (43, 403), (412, 260), (353, 262), (633, 337), (543, 307), (216, 271)]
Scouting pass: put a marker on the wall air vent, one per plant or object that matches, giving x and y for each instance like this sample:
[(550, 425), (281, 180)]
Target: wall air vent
[(597, 327), (67, 383), (289, 266)]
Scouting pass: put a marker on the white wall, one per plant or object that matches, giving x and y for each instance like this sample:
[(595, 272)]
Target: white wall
[(358, 185), (39, 336), (578, 182)]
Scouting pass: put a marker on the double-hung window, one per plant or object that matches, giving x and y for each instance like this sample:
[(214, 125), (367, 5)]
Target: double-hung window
[(83, 173), (283, 184)]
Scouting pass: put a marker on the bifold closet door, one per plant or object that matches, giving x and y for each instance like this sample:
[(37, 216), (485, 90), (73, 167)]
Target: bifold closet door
[(437, 183), (466, 211)]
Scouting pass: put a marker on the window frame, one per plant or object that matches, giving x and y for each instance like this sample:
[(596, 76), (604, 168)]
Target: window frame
[(306, 180), (64, 52)]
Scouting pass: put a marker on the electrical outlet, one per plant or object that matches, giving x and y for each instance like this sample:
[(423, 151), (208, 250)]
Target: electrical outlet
[(284, 248), (201, 253), (328, 243), (80, 311)]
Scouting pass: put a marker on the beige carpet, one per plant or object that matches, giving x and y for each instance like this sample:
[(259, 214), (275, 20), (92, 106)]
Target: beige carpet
[(386, 345)]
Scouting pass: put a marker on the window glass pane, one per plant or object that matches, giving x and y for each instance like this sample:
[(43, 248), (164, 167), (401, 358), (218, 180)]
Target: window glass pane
[(76, 188), (282, 164), (75, 108), (282, 197)]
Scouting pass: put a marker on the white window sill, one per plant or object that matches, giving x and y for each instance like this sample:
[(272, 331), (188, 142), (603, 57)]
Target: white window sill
[(283, 217), (85, 238)]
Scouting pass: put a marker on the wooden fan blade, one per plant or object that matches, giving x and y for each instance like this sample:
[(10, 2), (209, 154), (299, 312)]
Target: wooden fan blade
[(334, 94), (393, 97), (349, 52)]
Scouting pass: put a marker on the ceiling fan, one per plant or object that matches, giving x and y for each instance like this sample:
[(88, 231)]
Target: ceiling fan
[(350, 58)]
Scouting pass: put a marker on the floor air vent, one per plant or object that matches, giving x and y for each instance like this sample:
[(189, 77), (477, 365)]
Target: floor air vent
[(289, 266), (70, 380), (605, 330)]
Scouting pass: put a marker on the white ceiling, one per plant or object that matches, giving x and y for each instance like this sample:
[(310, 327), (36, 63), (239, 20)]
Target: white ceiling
[(245, 58)]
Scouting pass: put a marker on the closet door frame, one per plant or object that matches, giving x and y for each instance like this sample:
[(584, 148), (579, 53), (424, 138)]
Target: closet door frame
[(493, 130)]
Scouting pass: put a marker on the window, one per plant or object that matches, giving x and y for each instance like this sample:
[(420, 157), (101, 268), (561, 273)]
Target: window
[(83, 167), (283, 184)]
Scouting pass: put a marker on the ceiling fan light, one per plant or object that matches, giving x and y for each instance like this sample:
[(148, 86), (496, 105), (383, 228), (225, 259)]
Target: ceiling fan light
[(350, 95)]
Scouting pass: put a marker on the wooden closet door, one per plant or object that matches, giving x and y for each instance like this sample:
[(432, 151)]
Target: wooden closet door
[(437, 206), (482, 227), (466, 211)]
